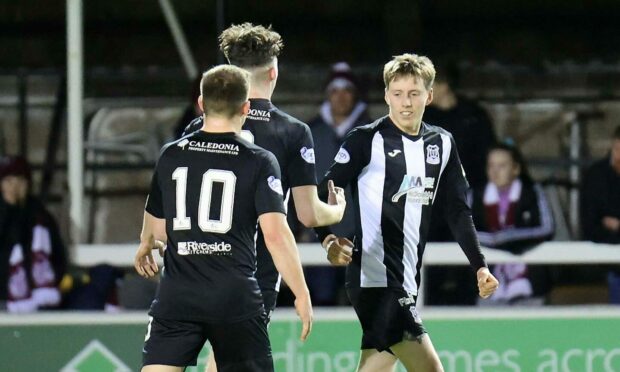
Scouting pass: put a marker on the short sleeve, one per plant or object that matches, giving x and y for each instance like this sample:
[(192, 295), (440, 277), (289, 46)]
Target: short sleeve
[(301, 164), (269, 194), (154, 203)]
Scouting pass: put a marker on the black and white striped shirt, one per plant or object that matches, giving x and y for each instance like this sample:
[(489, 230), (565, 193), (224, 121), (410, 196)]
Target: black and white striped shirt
[(395, 178)]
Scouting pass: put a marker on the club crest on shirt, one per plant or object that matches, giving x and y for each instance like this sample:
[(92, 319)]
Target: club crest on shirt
[(432, 154), (307, 154), (275, 184), (342, 156)]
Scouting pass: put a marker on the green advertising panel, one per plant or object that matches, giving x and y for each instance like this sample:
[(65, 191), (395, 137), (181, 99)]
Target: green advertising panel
[(466, 344)]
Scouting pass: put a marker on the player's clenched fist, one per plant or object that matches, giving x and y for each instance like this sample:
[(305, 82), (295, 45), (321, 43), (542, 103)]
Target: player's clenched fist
[(487, 283), (339, 250)]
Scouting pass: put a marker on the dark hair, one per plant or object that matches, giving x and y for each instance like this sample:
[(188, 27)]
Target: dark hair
[(224, 90), (516, 156), (448, 72), (247, 45), (617, 133)]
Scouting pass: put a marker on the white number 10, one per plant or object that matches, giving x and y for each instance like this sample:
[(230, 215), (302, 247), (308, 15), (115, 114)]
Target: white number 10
[(224, 223)]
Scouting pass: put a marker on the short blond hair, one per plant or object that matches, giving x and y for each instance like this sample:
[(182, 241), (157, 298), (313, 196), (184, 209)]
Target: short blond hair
[(224, 90), (409, 64)]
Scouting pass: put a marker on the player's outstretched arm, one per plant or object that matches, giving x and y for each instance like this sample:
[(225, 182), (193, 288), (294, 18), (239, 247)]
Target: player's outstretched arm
[(312, 212), (152, 228), (281, 245)]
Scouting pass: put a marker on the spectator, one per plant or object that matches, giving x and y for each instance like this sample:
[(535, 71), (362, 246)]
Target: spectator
[(600, 206), (191, 110), (342, 110), (600, 197), (511, 213), (467, 121), (32, 254), (473, 133)]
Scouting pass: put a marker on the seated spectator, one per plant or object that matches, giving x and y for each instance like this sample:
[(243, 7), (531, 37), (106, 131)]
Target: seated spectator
[(32, 254), (600, 206), (511, 213)]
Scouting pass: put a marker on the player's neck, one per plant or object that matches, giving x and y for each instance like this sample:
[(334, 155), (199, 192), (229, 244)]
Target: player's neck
[(260, 92), (221, 124), (412, 130)]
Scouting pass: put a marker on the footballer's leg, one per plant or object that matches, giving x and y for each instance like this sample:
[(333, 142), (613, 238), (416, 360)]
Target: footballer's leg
[(418, 355), (211, 366), (373, 360)]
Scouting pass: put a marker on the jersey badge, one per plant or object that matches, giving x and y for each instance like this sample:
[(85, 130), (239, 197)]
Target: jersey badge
[(342, 156), (432, 154), (275, 184), (307, 154)]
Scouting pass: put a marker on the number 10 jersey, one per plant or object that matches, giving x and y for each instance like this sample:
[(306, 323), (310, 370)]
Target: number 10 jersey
[(210, 188)]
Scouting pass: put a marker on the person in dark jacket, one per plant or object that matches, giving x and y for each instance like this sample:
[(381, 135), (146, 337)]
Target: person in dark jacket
[(473, 133), (32, 254), (342, 110), (600, 197), (511, 213), (600, 207)]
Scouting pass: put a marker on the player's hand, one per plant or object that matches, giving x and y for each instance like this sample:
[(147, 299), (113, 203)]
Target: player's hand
[(161, 247), (339, 250), (336, 195), (303, 306), (611, 223), (487, 283), (144, 263)]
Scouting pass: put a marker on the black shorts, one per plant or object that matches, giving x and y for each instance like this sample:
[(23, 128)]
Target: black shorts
[(387, 315), (238, 347)]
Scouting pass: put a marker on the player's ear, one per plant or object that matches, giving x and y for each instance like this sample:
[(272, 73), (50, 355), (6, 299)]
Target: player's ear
[(273, 73), (245, 109), (430, 97), (385, 96), (200, 103)]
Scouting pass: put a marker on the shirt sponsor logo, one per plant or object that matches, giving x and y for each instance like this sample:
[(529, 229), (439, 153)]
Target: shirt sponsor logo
[(214, 249), (307, 154), (393, 153), (415, 188), (183, 143), (406, 301), (275, 184), (262, 115), (342, 156), (432, 154), (213, 147)]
